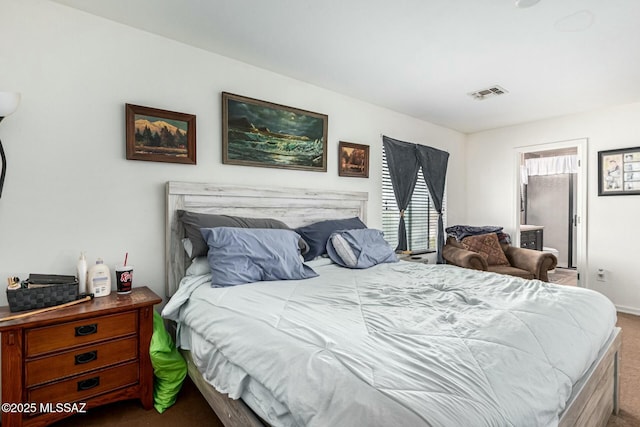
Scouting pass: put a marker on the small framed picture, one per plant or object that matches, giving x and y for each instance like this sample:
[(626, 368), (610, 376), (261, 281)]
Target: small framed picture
[(353, 160), (619, 172), (159, 135)]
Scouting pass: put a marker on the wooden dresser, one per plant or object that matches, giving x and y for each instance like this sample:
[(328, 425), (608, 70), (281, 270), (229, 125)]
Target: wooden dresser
[(90, 353)]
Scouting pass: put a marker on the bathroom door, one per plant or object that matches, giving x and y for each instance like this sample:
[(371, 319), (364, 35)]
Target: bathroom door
[(549, 205), (579, 214)]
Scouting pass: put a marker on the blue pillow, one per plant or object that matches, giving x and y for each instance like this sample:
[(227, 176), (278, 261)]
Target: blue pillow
[(245, 255), (317, 234), (362, 248)]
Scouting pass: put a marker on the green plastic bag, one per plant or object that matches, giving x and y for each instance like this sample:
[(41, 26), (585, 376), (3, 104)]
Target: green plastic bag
[(169, 368)]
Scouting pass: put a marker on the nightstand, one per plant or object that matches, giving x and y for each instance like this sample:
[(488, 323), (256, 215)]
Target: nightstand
[(90, 353), (423, 258)]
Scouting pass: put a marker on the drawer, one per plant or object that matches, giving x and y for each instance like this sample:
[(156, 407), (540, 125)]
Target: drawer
[(72, 334), (85, 386), (80, 360)]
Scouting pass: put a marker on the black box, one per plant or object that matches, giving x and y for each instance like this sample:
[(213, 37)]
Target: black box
[(43, 293)]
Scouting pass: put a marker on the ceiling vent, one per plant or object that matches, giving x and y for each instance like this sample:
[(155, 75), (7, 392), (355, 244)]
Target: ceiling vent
[(488, 93)]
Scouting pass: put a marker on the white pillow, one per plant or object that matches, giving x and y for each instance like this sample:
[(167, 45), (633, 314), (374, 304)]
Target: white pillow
[(188, 246), (198, 267), (344, 251)]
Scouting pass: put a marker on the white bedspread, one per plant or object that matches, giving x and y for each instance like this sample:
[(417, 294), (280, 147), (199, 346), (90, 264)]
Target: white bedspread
[(402, 344)]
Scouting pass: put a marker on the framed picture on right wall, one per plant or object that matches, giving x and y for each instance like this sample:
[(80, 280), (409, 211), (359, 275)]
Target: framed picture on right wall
[(619, 172), (353, 160)]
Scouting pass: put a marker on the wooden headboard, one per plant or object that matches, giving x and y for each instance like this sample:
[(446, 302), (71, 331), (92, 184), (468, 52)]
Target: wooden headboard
[(294, 206)]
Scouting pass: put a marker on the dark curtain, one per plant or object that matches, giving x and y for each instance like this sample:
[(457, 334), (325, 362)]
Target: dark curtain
[(403, 170), (434, 168)]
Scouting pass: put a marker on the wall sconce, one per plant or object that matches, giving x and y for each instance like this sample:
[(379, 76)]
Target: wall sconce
[(8, 104)]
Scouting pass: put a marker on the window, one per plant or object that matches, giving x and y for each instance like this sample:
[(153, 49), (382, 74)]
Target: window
[(421, 217)]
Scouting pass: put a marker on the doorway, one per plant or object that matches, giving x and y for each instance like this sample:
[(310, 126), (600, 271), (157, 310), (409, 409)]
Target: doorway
[(551, 205), (548, 200)]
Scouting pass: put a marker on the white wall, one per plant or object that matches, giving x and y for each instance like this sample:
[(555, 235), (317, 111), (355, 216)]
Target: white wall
[(69, 187), (612, 230)]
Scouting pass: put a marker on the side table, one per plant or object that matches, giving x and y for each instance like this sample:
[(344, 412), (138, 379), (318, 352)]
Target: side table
[(423, 258), (65, 361)]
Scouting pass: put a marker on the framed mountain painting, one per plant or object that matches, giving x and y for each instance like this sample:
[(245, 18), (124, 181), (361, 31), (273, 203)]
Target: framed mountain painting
[(159, 135)]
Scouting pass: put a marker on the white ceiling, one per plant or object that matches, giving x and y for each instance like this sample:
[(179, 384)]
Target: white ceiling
[(420, 57)]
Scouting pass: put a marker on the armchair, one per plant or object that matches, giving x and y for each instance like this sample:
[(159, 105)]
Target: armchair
[(525, 263)]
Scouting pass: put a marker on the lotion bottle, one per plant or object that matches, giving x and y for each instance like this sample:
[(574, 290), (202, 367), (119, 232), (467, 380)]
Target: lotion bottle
[(82, 274), (99, 279)]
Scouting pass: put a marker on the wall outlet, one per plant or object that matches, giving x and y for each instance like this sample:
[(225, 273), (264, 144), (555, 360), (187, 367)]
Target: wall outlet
[(600, 275)]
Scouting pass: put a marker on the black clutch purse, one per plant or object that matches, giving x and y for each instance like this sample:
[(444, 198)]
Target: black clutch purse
[(49, 279)]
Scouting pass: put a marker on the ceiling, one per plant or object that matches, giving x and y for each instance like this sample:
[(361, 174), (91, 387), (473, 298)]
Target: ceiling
[(420, 57)]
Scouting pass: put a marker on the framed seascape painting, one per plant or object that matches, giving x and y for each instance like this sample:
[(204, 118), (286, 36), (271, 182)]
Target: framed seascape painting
[(159, 135), (353, 160), (619, 172), (260, 133)]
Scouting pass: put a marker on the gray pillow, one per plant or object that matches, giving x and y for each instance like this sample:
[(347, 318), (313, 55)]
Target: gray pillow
[(246, 255), (194, 221), (317, 234)]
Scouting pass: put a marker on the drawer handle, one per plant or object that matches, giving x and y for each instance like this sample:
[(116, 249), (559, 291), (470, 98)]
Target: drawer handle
[(87, 357), (88, 383), (86, 330)]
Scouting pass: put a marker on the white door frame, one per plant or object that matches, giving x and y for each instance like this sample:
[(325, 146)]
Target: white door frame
[(581, 197)]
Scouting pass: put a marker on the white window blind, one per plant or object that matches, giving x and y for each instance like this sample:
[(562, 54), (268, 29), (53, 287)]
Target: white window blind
[(421, 217)]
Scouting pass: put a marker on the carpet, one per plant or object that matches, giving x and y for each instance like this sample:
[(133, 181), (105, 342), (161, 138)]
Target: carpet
[(564, 276), (629, 415)]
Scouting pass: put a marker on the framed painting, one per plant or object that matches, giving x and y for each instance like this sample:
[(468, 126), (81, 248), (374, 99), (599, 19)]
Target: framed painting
[(260, 133), (619, 172), (353, 160), (159, 135)]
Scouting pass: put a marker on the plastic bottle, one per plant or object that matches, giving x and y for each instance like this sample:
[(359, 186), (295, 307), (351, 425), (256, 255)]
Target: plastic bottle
[(99, 279), (82, 274)]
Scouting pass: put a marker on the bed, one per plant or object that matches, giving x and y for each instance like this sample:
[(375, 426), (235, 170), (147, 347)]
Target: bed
[(588, 399)]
